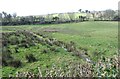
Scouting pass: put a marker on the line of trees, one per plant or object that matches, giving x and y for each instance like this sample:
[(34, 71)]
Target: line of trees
[(13, 19)]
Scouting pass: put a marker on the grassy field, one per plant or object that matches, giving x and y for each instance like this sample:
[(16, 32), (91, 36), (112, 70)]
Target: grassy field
[(97, 38)]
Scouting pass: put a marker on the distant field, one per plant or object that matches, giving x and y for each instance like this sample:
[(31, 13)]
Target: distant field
[(97, 38)]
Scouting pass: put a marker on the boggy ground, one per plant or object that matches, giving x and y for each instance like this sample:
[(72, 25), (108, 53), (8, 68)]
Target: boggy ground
[(63, 46)]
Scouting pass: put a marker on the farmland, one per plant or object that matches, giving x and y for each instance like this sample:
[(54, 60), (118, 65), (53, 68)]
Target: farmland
[(61, 46)]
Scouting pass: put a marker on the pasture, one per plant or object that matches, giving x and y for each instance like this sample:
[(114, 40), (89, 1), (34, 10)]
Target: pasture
[(93, 40)]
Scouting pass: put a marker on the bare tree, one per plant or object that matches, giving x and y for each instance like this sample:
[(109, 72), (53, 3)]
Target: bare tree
[(0, 15), (14, 15), (80, 10), (109, 14), (86, 11)]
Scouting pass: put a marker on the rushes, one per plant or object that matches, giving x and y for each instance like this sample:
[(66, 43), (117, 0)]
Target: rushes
[(105, 68), (40, 73), (71, 70)]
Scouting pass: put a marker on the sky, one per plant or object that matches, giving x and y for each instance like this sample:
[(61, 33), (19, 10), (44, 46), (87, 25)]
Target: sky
[(41, 7)]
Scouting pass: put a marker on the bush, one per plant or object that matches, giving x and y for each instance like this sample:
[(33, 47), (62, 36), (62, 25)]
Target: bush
[(45, 51), (30, 58), (4, 63), (54, 49), (15, 63), (16, 50), (6, 54)]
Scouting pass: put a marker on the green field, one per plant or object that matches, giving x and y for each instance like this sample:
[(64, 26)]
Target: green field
[(98, 39)]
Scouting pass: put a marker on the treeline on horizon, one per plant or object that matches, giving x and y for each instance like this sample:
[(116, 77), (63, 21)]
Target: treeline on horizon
[(13, 19)]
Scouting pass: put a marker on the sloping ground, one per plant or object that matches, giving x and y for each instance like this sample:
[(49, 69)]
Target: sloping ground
[(17, 44), (65, 58), (96, 41)]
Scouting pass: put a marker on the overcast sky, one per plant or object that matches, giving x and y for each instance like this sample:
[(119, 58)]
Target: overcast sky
[(39, 7)]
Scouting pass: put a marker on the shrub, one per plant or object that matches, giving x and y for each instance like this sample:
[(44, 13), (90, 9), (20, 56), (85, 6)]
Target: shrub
[(30, 58), (25, 45), (4, 63), (45, 50), (6, 53), (15, 63), (54, 49), (16, 50)]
